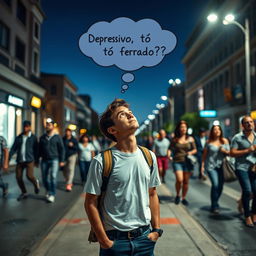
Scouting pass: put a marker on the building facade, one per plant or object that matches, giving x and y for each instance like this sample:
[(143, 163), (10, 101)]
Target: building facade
[(60, 101), (215, 64), (20, 90)]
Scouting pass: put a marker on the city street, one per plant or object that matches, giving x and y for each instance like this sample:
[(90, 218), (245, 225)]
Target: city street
[(26, 222), (227, 228), (40, 228)]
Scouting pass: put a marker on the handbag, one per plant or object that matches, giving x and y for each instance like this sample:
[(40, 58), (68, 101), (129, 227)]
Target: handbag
[(191, 161), (228, 170)]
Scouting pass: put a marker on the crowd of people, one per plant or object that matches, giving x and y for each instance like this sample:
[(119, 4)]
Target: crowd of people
[(53, 152), (207, 151)]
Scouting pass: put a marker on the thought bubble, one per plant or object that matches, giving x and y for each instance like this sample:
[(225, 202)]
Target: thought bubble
[(127, 44)]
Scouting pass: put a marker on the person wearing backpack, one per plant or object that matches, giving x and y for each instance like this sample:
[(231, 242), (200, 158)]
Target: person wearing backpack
[(121, 199), (4, 163)]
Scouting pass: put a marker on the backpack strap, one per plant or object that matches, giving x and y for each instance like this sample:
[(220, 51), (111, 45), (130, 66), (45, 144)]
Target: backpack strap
[(148, 157), (107, 160)]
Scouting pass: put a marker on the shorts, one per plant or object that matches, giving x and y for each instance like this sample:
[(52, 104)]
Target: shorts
[(162, 162), (180, 166)]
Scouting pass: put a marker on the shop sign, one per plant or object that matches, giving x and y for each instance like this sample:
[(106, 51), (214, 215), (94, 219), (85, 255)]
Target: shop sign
[(15, 101), (208, 113), (36, 102), (253, 114)]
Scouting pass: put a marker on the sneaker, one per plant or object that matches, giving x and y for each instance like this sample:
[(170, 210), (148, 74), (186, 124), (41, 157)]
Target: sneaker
[(51, 199), (37, 187), (177, 200), (22, 196), (69, 187), (215, 211), (185, 202), (5, 190)]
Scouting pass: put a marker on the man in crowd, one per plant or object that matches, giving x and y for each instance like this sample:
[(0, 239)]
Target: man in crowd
[(71, 150), (52, 152), (200, 143), (4, 157), (131, 200), (161, 149), (26, 147), (243, 148)]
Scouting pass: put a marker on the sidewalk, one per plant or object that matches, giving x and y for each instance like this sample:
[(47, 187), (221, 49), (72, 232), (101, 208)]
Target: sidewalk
[(182, 236)]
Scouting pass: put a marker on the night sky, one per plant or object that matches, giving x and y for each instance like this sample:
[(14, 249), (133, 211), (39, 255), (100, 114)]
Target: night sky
[(66, 21)]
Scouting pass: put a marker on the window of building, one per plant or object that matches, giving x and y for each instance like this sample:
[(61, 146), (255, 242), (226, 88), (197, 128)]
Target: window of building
[(19, 70), (36, 30), (20, 49), (35, 62), (21, 12), (4, 36), (4, 60), (53, 89)]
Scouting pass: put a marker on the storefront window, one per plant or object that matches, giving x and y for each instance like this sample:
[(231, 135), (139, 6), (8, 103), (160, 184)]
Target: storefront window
[(33, 122), (18, 121)]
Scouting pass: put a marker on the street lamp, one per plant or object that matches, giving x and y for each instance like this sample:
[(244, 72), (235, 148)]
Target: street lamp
[(230, 19), (174, 82)]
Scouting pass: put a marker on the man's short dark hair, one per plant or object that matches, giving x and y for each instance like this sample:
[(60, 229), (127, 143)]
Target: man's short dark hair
[(26, 123), (247, 116), (106, 119)]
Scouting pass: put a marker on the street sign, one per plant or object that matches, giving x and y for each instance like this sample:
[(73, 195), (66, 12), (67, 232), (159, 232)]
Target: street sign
[(208, 113)]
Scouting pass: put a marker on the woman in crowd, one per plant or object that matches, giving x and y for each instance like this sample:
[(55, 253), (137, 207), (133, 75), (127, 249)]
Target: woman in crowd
[(182, 146), (216, 148), (86, 153)]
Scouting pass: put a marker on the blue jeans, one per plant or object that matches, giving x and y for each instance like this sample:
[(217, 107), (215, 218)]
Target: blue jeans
[(50, 170), (3, 185), (217, 180), (139, 246), (247, 180), (84, 168)]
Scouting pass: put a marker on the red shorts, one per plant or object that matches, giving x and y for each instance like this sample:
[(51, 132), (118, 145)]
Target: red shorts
[(162, 162)]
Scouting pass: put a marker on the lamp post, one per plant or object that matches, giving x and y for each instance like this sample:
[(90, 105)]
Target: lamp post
[(173, 82), (230, 19)]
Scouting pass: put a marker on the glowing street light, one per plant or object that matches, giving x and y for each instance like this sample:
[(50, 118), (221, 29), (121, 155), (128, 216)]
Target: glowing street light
[(212, 17), (155, 111), (151, 117), (164, 97)]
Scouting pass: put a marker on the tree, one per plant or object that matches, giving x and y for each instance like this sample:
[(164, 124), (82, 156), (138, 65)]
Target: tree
[(195, 121)]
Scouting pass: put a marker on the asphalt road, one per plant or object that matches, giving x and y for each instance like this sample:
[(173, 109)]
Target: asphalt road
[(23, 224), (227, 228)]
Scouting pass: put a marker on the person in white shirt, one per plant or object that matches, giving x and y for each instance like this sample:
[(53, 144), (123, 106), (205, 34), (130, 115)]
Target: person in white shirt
[(86, 153), (131, 202)]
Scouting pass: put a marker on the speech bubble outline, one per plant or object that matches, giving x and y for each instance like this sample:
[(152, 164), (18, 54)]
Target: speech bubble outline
[(109, 43)]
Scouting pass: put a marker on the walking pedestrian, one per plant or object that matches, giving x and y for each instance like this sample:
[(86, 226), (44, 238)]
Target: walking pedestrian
[(161, 149), (4, 157), (86, 153), (71, 151), (200, 143), (243, 148), (131, 200), (96, 144), (26, 146), (216, 148), (182, 146), (52, 152)]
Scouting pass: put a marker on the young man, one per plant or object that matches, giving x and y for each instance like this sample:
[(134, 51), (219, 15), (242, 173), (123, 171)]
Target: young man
[(200, 143), (131, 201), (163, 153), (26, 146), (52, 151), (243, 148), (71, 150), (4, 157)]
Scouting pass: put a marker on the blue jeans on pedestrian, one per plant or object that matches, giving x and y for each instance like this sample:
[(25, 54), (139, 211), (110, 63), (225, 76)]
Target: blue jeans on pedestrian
[(139, 246), (3, 185), (50, 170), (217, 180), (247, 180), (84, 168)]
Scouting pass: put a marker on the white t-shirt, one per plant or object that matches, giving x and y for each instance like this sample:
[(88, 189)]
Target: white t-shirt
[(85, 153), (126, 203)]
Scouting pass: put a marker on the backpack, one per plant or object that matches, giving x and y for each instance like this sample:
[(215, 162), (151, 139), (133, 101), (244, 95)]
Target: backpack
[(108, 165)]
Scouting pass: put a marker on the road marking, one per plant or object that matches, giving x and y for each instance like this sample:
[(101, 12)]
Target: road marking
[(86, 221), (169, 221)]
